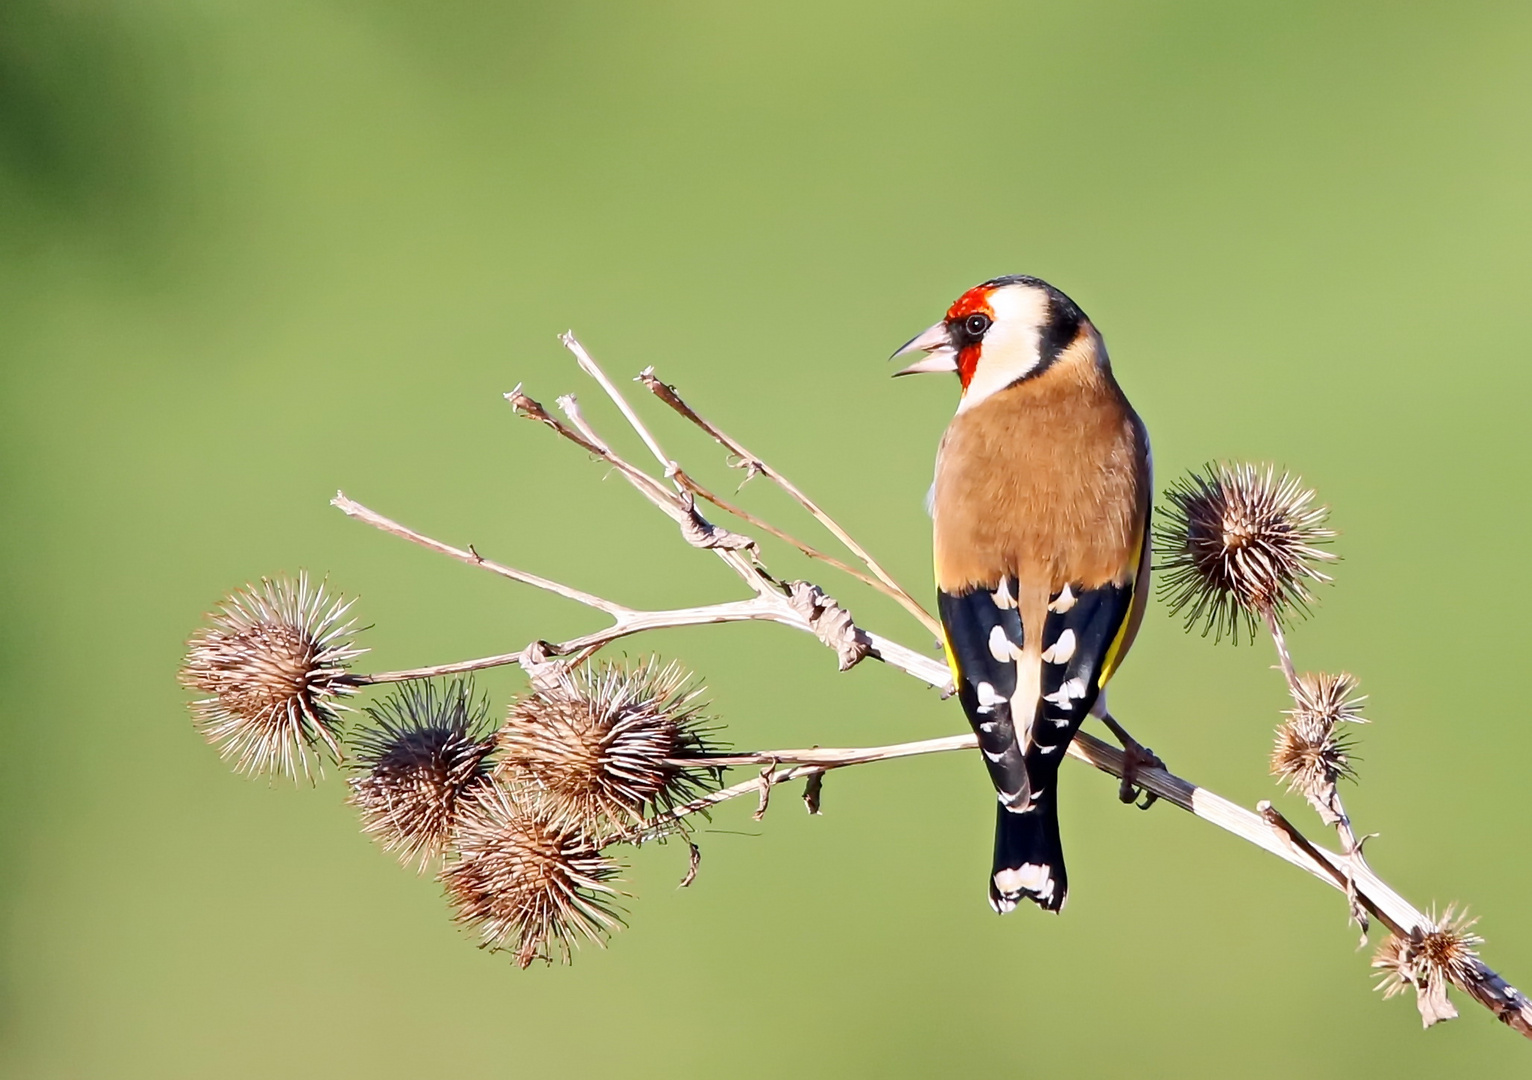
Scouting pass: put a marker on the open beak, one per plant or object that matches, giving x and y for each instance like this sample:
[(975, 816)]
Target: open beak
[(938, 344)]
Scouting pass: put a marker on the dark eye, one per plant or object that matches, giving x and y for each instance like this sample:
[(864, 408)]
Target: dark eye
[(975, 325)]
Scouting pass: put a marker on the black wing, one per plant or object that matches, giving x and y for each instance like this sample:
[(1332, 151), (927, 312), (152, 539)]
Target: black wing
[(1081, 635), (984, 643)]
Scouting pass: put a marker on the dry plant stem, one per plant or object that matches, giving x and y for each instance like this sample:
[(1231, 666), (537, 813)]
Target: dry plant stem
[(352, 508), (753, 464), (680, 476), (1486, 987), (1267, 829), (1350, 848), (780, 766), (766, 606), (461, 667)]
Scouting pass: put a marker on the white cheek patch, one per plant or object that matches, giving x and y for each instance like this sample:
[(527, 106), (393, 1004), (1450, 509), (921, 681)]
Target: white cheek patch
[(1010, 349)]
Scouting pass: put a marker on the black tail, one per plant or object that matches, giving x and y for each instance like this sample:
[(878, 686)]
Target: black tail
[(1029, 859)]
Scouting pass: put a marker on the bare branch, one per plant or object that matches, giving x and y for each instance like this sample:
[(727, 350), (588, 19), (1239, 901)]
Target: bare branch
[(460, 667), (352, 508), (591, 368), (677, 505), (753, 464), (686, 481), (1351, 849)]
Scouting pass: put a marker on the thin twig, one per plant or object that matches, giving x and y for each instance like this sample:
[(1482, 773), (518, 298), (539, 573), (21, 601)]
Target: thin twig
[(461, 667), (690, 484), (1350, 847), (593, 369), (753, 464), (352, 508)]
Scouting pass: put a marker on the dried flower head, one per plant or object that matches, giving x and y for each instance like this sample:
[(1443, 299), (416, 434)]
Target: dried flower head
[(1429, 960), (273, 664), (1311, 753), (599, 744), (1238, 542), (428, 750), (528, 880)]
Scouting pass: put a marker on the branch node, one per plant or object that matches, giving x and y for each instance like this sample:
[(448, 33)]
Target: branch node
[(830, 622), (699, 532), (545, 673)]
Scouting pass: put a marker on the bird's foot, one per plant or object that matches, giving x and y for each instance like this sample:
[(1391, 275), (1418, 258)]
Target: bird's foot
[(1136, 756)]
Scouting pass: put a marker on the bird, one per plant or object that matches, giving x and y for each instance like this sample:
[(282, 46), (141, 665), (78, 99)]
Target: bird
[(1040, 524)]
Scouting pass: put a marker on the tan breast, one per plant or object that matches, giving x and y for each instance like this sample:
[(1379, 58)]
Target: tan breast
[(1046, 480)]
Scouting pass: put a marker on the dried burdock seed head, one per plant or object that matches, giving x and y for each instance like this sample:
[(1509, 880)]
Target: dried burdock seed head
[(531, 882), (1325, 701), (1236, 541), (1311, 754), (598, 746), (273, 663), (428, 751), (1446, 953)]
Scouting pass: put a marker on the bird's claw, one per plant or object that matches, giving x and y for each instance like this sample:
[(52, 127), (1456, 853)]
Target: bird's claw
[(1136, 756)]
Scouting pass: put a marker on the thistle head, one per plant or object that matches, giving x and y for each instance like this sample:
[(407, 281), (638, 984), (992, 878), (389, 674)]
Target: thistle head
[(427, 751), (1238, 542), (599, 746), (272, 661), (531, 882), (1444, 952), (1311, 753)]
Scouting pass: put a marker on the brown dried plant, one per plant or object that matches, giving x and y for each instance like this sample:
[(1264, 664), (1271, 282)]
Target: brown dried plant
[(429, 750), (1312, 753), (1444, 953), (529, 880), (272, 662), (599, 744), (1238, 543)]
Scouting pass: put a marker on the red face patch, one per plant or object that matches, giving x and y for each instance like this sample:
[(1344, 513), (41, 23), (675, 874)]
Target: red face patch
[(973, 302)]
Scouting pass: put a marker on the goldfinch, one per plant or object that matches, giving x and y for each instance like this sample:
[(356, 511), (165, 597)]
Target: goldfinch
[(1040, 510)]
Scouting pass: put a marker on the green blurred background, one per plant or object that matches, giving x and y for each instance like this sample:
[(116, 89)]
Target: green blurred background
[(253, 253)]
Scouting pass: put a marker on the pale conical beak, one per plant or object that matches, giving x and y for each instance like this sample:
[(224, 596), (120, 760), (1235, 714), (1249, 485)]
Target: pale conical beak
[(935, 341)]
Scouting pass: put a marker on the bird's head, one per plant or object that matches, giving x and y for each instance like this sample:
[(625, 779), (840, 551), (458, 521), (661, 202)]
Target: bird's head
[(998, 333)]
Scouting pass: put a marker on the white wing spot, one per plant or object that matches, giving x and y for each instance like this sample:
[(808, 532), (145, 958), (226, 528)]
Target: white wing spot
[(1071, 690), (987, 696), (1000, 646), (1003, 597), (1048, 749), (1063, 601), (1061, 650)]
